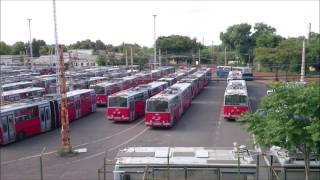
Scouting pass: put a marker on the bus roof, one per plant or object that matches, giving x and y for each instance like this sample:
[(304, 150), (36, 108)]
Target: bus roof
[(16, 84), (184, 156), (167, 94), (108, 83), (79, 91), (129, 92), (24, 90), (22, 104)]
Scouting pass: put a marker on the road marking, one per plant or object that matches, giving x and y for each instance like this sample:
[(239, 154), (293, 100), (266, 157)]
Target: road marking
[(111, 149), (79, 145)]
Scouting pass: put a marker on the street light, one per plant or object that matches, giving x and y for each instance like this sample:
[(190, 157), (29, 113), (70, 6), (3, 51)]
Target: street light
[(154, 46), (30, 43)]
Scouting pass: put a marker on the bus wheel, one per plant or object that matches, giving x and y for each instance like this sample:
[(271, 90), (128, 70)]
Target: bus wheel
[(20, 136)]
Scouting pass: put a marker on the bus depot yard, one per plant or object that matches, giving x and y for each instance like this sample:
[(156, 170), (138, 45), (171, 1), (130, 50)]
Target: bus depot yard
[(113, 135)]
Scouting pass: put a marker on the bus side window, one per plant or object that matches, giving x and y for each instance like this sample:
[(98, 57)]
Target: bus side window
[(4, 123)]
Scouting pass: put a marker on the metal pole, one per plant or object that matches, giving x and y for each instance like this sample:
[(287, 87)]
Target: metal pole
[(30, 44), (199, 57), (126, 59), (155, 46), (212, 53), (257, 168), (131, 60), (56, 49), (41, 164), (225, 56), (160, 57), (303, 62), (309, 33)]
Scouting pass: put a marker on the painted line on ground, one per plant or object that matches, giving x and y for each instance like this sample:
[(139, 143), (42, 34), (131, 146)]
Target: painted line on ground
[(76, 146)]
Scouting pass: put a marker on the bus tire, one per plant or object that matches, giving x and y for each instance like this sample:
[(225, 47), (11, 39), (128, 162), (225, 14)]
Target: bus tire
[(21, 136)]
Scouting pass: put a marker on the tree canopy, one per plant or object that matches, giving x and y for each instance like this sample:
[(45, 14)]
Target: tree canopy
[(288, 118), (177, 44)]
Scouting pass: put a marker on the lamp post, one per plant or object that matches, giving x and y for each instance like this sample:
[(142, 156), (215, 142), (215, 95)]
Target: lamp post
[(30, 43), (154, 46)]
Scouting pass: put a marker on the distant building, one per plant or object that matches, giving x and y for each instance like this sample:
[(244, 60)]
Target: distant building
[(82, 58), (13, 59)]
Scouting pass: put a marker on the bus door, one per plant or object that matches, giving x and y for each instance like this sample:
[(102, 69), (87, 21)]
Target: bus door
[(93, 102), (78, 109), (45, 118), (54, 114), (8, 130), (132, 109)]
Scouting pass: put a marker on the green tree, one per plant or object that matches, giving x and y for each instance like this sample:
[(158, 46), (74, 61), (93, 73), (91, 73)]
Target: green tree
[(99, 45), (19, 48), (177, 44), (101, 60), (266, 57), (288, 118), (4, 48), (238, 37)]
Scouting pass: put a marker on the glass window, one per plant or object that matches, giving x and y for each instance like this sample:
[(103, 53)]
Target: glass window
[(4, 123), (99, 89), (157, 106), (235, 100), (118, 101)]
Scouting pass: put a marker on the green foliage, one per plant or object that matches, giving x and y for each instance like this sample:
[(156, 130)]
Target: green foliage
[(99, 45), (266, 57), (101, 60), (19, 48), (237, 37), (4, 48), (177, 44), (288, 118)]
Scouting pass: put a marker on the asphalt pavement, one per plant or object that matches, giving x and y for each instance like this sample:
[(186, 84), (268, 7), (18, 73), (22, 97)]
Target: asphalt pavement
[(201, 125)]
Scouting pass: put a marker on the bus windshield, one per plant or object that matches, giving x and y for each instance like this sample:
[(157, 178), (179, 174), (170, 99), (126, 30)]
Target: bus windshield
[(157, 106), (99, 89), (233, 100), (118, 102)]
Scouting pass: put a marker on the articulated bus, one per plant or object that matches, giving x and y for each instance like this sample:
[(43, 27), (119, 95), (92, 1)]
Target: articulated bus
[(236, 100), (104, 89), (129, 105), (30, 117), (26, 93), (167, 107), (16, 85)]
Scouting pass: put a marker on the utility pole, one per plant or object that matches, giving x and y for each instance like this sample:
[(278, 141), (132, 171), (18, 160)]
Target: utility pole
[(159, 57), (65, 130), (30, 43), (154, 46), (303, 62), (126, 59), (131, 60), (212, 52), (309, 33), (199, 57), (225, 56), (56, 49)]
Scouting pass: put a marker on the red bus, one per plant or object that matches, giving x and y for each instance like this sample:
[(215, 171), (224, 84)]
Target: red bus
[(235, 99), (104, 89), (129, 105), (30, 117), (26, 93), (166, 108)]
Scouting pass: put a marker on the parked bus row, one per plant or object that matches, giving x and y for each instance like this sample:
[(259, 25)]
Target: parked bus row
[(104, 89), (236, 100), (24, 119), (246, 72), (167, 107), (129, 104)]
